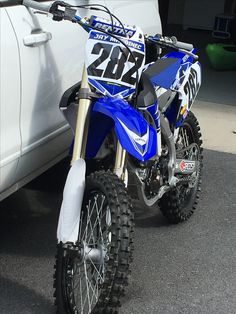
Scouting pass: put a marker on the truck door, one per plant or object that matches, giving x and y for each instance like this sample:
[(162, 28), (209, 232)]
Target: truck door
[(10, 139), (51, 59)]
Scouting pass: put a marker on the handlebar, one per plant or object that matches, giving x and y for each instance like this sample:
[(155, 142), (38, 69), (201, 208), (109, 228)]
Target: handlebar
[(172, 42), (181, 45), (54, 9), (70, 14), (37, 5)]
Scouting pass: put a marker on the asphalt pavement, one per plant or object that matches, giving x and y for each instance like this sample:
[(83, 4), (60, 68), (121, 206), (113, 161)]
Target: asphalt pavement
[(185, 268)]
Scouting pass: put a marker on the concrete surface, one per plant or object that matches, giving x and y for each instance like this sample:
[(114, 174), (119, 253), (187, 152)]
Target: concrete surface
[(218, 125), (189, 268)]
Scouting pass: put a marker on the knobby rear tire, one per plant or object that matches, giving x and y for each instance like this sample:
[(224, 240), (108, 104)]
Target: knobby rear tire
[(172, 205)]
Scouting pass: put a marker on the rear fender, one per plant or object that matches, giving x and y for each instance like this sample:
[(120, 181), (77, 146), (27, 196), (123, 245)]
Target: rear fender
[(135, 135)]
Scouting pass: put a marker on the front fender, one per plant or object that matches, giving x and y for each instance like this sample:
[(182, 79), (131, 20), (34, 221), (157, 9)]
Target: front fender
[(69, 219), (136, 136)]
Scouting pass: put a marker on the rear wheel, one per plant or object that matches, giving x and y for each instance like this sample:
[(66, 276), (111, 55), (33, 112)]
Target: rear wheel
[(179, 204), (90, 277)]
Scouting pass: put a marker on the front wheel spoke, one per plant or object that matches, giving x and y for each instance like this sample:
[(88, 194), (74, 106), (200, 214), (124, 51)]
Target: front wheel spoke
[(80, 268), (86, 228), (81, 299), (96, 269), (100, 220), (81, 293), (89, 286), (87, 289), (102, 268), (103, 215), (90, 224), (75, 285), (97, 221), (93, 291), (96, 291), (80, 276), (91, 234), (89, 215)]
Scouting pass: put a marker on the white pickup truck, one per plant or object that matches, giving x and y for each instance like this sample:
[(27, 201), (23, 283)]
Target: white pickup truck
[(39, 60)]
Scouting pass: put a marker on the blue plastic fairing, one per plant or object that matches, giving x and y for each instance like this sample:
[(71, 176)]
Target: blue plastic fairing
[(136, 136), (167, 76)]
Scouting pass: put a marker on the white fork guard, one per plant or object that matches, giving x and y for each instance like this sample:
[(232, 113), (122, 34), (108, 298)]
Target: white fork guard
[(68, 224)]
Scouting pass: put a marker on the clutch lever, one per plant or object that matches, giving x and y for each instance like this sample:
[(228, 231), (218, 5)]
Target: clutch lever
[(41, 12)]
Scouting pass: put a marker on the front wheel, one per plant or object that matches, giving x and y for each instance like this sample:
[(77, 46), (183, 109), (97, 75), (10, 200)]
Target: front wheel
[(179, 204), (90, 277)]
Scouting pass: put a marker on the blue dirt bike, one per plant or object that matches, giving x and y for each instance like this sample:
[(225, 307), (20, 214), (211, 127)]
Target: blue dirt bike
[(133, 131)]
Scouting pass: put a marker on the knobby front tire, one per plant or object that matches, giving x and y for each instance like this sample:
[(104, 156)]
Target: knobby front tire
[(93, 278)]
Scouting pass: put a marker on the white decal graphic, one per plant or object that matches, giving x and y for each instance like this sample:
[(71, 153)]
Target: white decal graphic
[(141, 140)]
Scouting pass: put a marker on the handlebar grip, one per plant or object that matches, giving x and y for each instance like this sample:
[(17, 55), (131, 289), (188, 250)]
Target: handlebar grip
[(185, 46), (37, 5)]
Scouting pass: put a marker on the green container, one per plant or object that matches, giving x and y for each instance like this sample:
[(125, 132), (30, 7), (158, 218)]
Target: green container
[(222, 56)]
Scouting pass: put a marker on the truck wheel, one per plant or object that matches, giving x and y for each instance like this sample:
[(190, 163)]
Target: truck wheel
[(179, 204), (90, 278)]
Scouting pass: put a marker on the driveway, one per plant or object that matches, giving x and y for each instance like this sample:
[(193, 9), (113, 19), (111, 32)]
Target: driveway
[(186, 268)]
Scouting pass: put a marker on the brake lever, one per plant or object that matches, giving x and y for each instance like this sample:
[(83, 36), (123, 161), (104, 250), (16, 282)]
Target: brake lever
[(195, 57)]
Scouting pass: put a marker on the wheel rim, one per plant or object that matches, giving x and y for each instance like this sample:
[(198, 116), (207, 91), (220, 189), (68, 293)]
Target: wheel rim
[(88, 272)]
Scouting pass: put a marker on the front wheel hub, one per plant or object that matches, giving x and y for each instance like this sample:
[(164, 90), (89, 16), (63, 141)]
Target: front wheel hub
[(93, 255)]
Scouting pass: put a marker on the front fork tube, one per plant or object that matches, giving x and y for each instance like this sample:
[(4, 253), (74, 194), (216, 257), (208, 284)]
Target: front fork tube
[(120, 163), (82, 123), (81, 134), (69, 219)]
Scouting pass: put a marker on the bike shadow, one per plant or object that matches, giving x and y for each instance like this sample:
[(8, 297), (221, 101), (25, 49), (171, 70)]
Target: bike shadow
[(28, 224), (28, 218), (12, 293), (53, 180), (148, 217)]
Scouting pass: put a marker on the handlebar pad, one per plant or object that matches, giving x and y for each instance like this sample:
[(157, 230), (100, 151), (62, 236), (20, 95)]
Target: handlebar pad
[(37, 5)]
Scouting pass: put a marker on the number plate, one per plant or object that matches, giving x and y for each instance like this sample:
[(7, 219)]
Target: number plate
[(190, 83), (110, 65)]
